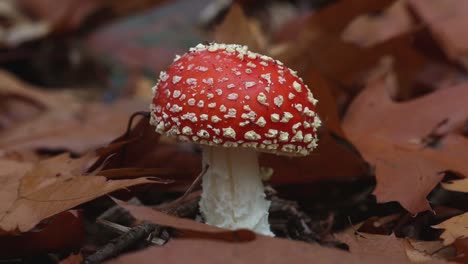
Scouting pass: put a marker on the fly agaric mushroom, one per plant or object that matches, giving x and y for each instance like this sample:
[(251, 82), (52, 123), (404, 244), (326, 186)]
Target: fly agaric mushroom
[(233, 103)]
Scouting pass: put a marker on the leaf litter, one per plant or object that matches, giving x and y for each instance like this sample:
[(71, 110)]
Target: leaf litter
[(391, 153)]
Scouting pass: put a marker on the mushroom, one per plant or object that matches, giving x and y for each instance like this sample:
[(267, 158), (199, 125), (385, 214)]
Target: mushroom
[(235, 103)]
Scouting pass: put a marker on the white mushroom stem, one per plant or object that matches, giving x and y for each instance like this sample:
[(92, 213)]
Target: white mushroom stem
[(233, 195)]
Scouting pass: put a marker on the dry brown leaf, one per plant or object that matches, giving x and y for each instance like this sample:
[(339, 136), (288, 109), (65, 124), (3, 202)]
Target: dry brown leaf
[(62, 15), (50, 187), (64, 231), (20, 101), (390, 246), (238, 29), (259, 250), (368, 30), (391, 137), (447, 20), (454, 228), (457, 185), (78, 128)]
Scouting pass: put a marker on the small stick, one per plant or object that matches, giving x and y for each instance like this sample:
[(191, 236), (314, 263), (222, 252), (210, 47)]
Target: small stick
[(123, 242)]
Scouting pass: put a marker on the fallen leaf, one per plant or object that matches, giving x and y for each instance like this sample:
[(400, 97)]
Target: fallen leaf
[(64, 15), (370, 29), (447, 22), (50, 187), (454, 228), (259, 250), (236, 28), (64, 231), (390, 246), (20, 101), (406, 169), (78, 128), (457, 185)]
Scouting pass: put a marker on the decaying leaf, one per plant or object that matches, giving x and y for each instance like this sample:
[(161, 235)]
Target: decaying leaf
[(454, 228), (403, 250), (259, 250), (368, 30), (447, 20), (50, 187), (391, 136), (238, 29), (78, 128), (63, 231)]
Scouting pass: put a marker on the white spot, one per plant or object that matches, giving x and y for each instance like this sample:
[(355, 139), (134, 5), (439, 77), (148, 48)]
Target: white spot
[(251, 135), (187, 130), (189, 116), (243, 124), (215, 119), (191, 81), (272, 133), (261, 98), (298, 107), (203, 133), (219, 91), (230, 86), (278, 100), (275, 117), (296, 126), (286, 117), (267, 77), (248, 71), (190, 67), (203, 117), (283, 136), (232, 96), (163, 76), (175, 108), (251, 55), (176, 79), (297, 137), (211, 105), (229, 133), (308, 138), (308, 112), (208, 81), (182, 97), (249, 84), (219, 69), (222, 109), (261, 122), (231, 113), (191, 101), (176, 93), (281, 79), (246, 108), (209, 96), (288, 148), (220, 80), (201, 103), (202, 68), (306, 124), (264, 63), (297, 86), (311, 98), (251, 65), (250, 115)]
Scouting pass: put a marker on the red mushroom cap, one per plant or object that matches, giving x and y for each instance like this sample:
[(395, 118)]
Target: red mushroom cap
[(225, 95)]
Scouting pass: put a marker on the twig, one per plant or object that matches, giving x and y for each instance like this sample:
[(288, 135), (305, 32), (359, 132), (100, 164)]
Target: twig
[(145, 230), (128, 239)]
